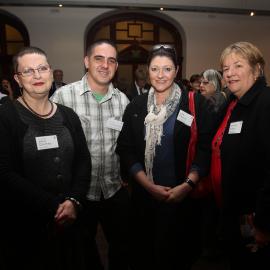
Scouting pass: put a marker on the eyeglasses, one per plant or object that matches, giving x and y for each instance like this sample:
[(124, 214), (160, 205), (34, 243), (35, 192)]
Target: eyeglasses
[(166, 70), (31, 71)]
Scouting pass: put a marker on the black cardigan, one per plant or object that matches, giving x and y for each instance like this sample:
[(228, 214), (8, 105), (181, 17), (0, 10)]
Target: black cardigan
[(246, 158), (19, 196), (131, 143)]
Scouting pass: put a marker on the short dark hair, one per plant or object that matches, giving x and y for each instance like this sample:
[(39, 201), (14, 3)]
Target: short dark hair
[(57, 70), (26, 50), (195, 77), (141, 74), (163, 50), (98, 42)]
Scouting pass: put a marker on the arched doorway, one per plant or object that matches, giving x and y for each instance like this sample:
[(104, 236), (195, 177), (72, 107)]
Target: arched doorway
[(14, 36), (134, 34)]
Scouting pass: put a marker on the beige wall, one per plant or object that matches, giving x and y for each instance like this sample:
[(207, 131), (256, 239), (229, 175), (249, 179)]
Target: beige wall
[(60, 32)]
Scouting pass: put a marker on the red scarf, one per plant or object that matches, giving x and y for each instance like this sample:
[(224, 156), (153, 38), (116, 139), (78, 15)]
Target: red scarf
[(193, 135), (215, 170), (204, 187)]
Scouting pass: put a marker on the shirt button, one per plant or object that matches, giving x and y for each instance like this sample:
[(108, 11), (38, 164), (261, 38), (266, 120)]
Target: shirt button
[(59, 177), (56, 159)]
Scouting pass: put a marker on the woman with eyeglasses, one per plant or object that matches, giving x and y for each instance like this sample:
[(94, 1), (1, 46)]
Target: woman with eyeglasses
[(153, 146), (211, 89), (44, 170)]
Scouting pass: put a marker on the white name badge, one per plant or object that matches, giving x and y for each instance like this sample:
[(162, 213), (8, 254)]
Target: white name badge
[(185, 118), (47, 142), (235, 127), (114, 124)]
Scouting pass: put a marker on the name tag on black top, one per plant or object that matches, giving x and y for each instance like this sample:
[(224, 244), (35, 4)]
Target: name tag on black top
[(235, 127), (47, 142), (185, 118)]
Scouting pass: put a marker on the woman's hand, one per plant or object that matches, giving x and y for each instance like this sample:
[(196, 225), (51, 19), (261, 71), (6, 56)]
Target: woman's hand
[(178, 193), (66, 213), (160, 193), (261, 238)]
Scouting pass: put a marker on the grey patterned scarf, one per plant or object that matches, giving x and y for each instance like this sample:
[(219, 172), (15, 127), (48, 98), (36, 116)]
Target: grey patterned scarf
[(154, 121)]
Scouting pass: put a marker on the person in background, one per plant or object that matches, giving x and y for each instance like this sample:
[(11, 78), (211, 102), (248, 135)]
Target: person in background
[(195, 81), (45, 170), (240, 159), (153, 146), (223, 85), (100, 107), (3, 97), (186, 84), (6, 88), (140, 85), (211, 89), (57, 81)]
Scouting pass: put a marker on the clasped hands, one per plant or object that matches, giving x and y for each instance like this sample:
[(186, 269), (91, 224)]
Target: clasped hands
[(168, 194)]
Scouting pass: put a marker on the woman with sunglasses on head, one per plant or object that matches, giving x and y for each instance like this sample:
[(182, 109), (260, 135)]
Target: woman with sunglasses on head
[(153, 146), (44, 170), (240, 159)]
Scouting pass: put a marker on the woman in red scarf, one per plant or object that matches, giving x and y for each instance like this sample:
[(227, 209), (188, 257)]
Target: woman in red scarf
[(240, 160)]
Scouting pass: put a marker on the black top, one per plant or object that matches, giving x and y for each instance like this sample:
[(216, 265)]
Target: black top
[(20, 194), (245, 157), (48, 168)]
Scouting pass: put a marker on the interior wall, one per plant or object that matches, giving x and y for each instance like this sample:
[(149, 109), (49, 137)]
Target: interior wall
[(207, 35), (60, 32)]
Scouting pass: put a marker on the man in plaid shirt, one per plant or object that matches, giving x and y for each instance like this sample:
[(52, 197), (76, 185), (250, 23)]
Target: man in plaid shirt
[(100, 107)]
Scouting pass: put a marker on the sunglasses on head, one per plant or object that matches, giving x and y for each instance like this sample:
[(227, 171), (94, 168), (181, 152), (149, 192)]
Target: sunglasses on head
[(163, 46)]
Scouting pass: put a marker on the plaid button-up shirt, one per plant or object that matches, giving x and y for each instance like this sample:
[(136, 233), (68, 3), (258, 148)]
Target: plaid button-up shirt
[(101, 140)]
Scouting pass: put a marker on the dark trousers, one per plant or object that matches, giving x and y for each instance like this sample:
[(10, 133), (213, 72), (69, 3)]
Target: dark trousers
[(164, 236), (33, 246), (112, 214)]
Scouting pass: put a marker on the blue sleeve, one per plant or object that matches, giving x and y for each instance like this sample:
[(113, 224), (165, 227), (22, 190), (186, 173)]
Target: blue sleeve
[(136, 168)]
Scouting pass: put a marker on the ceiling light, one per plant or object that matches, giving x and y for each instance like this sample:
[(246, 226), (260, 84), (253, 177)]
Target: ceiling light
[(252, 13), (161, 8), (60, 5)]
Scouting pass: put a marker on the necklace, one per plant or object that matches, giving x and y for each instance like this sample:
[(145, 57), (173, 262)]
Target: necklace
[(40, 115)]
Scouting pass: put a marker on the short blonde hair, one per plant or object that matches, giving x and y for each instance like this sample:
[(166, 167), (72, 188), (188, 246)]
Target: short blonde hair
[(248, 51)]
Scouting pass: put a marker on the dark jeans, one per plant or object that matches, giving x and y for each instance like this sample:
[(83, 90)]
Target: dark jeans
[(112, 214)]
